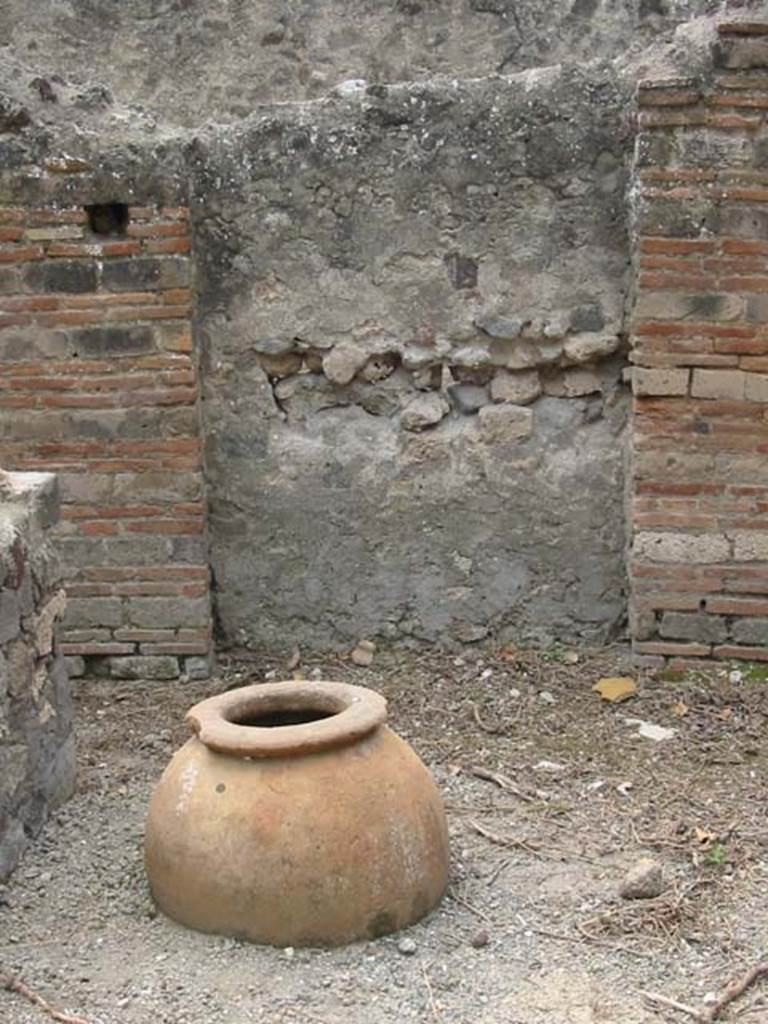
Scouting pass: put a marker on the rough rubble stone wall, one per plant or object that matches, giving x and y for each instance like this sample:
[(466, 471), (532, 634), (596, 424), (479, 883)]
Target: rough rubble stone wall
[(37, 765), (98, 381), (193, 60), (700, 335), (410, 316)]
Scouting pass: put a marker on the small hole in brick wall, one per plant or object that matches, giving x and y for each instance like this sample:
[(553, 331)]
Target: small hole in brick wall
[(702, 605), (107, 218)]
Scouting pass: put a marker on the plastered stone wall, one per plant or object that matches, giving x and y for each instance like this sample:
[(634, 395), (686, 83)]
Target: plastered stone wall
[(409, 322), (410, 317), (699, 557), (37, 765), (185, 61)]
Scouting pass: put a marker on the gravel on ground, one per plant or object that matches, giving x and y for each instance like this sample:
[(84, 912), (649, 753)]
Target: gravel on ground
[(552, 795)]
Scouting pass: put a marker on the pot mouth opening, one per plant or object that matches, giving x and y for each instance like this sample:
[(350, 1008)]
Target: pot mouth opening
[(287, 718), (280, 717)]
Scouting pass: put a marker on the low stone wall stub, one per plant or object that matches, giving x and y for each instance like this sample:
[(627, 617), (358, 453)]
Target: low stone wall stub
[(37, 757)]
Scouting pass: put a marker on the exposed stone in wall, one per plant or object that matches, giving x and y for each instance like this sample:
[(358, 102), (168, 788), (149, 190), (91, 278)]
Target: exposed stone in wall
[(37, 765), (700, 336), (187, 62), (410, 314), (98, 381)]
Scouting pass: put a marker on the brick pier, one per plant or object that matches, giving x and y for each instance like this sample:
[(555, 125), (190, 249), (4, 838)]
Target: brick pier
[(699, 483), (98, 383)]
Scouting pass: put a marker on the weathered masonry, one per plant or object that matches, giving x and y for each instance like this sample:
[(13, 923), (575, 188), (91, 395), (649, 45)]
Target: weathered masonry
[(357, 365), (98, 383), (37, 754), (700, 347)]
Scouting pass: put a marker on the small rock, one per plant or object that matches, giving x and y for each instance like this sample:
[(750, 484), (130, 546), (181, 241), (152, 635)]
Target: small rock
[(379, 368), (273, 346), (571, 658), (735, 677), (584, 348), (479, 939), (294, 660), (351, 87), (471, 357), (500, 327), (363, 653), (519, 388), (423, 411), (281, 366), (417, 358), (643, 881), (342, 363), (573, 384), (406, 946), (651, 731), (468, 398), (313, 359), (546, 697), (505, 423), (548, 766), (428, 378)]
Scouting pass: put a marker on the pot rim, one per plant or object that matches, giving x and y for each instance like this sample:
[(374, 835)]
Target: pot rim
[(349, 713)]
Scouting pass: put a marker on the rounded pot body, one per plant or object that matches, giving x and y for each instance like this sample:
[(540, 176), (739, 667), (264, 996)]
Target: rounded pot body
[(317, 847)]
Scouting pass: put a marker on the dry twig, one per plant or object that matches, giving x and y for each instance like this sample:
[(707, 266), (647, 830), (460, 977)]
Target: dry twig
[(494, 837), (470, 906), (736, 988), (15, 984), (711, 1013), (432, 1004), (490, 729), (673, 1004), (499, 780)]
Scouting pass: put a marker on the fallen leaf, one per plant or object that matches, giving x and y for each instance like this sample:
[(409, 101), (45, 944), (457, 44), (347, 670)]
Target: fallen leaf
[(509, 653), (680, 708), (615, 688), (571, 658), (725, 714)]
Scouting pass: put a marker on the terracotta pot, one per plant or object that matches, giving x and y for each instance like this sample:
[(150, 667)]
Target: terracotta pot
[(295, 817)]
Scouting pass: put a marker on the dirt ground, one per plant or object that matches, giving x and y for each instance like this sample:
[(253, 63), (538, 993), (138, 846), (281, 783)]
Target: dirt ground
[(531, 931)]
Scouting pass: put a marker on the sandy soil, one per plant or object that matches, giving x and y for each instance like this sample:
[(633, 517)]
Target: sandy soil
[(532, 930)]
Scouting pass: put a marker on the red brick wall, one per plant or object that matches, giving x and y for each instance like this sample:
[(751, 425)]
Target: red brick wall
[(699, 501), (98, 382)]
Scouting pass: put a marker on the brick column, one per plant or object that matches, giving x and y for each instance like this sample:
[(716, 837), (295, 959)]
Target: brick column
[(699, 482), (98, 382)]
